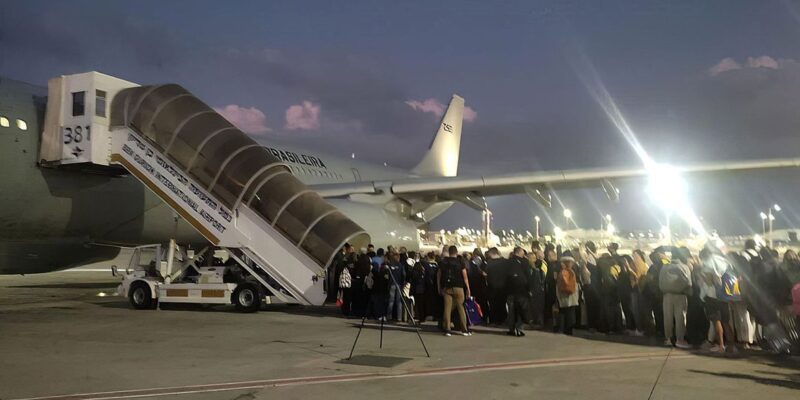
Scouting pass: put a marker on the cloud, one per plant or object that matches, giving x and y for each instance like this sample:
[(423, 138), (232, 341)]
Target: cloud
[(428, 105), (469, 114), (729, 64), (762, 62), (437, 108), (724, 65), (248, 119), (303, 116)]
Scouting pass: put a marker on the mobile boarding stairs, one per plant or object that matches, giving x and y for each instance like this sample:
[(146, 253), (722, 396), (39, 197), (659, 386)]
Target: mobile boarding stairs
[(233, 191)]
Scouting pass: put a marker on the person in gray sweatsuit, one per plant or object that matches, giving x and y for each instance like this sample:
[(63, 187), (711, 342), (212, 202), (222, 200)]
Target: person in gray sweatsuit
[(675, 282)]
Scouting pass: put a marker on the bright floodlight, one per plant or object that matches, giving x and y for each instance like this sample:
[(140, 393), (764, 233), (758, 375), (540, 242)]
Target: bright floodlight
[(611, 229), (666, 188), (567, 213), (776, 207), (668, 191), (763, 216), (771, 217), (608, 217), (537, 218), (558, 232)]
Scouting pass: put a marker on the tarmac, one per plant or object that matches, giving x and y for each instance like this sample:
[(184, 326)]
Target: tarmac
[(66, 335)]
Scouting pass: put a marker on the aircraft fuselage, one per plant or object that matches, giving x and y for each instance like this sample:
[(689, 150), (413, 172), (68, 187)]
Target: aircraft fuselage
[(52, 218)]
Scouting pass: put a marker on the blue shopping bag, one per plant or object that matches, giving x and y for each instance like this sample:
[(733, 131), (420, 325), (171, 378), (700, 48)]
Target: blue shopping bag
[(473, 312)]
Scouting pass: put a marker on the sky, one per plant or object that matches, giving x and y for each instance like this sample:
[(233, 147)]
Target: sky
[(695, 81)]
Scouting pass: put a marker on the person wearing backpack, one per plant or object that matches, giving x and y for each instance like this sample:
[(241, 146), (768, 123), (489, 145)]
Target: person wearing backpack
[(379, 294), (675, 283), (712, 292), (454, 286), (567, 293), (743, 324), (346, 283)]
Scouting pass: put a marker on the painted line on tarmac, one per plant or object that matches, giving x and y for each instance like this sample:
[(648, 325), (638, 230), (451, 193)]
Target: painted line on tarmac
[(367, 376), (88, 270)]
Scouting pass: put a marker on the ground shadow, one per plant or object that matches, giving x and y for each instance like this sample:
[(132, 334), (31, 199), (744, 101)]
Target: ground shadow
[(656, 342), (648, 341), (790, 383), (371, 360)]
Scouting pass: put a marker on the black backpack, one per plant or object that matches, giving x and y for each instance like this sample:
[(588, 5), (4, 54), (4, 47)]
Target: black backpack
[(450, 271)]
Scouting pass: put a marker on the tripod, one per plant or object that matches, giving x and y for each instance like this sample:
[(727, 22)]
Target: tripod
[(408, 312)]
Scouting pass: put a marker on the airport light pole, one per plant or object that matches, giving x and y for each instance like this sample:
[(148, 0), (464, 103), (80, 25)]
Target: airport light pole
[(771, 218), (567, 217), (764, 223), (537, 219)]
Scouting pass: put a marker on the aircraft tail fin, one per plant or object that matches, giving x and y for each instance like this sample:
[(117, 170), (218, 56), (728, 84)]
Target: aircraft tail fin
[(442, 156)]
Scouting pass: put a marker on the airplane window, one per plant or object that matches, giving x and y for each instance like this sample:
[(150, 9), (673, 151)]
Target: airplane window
[(22, 125), (78, 103), (4, 122), (100, 103)]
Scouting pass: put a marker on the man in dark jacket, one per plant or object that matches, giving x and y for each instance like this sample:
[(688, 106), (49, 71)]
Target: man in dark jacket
[(496, 278), (397, 279), (537, 287), (433, 299), (651, 293), (519, 271)]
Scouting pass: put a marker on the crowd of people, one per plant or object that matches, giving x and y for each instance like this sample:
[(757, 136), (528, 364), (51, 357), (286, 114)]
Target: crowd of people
[(712, 299)]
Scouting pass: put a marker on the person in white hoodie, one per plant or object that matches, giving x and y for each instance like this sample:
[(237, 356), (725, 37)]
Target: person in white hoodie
[(714, 266), (675, 283)]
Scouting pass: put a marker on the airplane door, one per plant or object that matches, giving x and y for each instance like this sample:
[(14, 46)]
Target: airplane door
[(356, 174)]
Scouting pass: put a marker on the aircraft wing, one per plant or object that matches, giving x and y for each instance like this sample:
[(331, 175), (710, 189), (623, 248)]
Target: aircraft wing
[(536, 184)]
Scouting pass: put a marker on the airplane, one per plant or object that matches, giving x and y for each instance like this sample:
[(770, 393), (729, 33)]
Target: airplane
[(53, 218)]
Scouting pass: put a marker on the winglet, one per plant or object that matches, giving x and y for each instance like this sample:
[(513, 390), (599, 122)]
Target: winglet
[(442, 156)]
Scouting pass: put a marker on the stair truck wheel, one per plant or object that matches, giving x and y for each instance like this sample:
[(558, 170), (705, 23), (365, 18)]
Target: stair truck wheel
[(246, 297), (140, 296)]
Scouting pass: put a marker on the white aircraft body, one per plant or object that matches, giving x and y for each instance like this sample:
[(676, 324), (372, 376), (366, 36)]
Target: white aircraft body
[(60, 215)]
